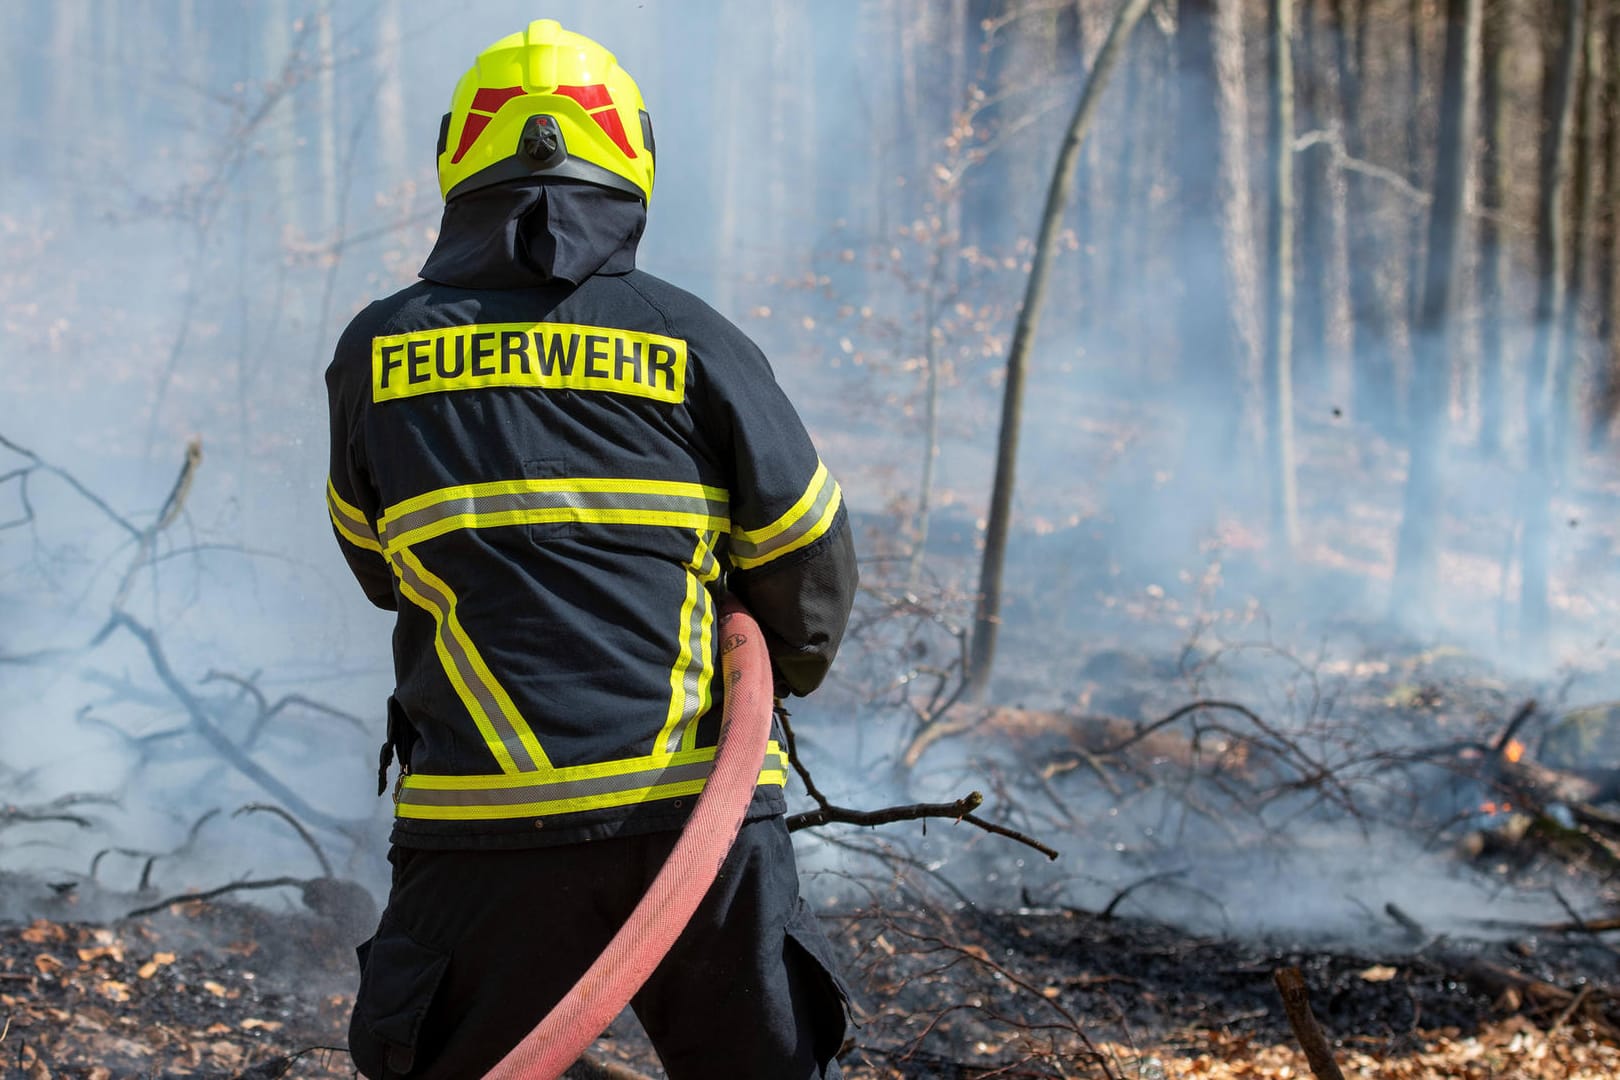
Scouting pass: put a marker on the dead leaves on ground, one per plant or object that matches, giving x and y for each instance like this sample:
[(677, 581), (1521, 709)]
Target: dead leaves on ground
[(1511, 1050), (104, 1003)]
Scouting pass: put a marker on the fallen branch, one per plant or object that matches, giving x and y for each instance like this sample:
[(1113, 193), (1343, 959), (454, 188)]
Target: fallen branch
[(210, 894), (216, 738), (152, 857)]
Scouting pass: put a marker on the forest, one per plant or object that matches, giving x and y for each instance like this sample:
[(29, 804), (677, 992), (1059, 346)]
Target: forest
[(1224, 393)]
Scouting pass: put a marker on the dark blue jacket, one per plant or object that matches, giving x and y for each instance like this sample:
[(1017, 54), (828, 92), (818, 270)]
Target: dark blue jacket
[(551, 464)]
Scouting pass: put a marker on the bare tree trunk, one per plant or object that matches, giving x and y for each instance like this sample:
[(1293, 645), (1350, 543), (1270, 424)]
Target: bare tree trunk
[(1417, 550), (1493, 269), (987, 614), (1606, 392), (1374, 387), (1237, 209), (389, 70), (1211, 371), (1609, 286), (1417, 153), (941, 285), (1280, 286), (70, 26), (275, 43), (727, 123), (1208, 335), (1120, 228), (1558, 98), (1312, 284), (326, 119), (1567, 357)]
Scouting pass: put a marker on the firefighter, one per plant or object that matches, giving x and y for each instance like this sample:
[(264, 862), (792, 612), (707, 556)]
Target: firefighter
[(550, 464)]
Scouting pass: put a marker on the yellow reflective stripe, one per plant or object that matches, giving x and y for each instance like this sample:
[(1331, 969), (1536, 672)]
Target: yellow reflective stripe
[(600, 500), (708, 571), (350, 522), (571, 789), (682, 689), (759, 536), (804, 524), (509, 739), (708, 568)]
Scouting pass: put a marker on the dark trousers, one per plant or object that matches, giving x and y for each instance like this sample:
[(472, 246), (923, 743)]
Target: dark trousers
[(476, 946)]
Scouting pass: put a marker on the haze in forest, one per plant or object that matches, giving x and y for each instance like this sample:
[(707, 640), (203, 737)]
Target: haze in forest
[(200, 195)]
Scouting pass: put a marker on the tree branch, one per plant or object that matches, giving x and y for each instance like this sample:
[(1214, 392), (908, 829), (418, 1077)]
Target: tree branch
[(826, 813)]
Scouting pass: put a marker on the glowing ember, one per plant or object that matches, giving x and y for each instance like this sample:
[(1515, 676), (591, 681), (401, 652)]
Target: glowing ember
[(1514, 750)]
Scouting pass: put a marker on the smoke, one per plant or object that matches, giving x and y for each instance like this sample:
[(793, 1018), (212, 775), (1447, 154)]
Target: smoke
[(190, 236)]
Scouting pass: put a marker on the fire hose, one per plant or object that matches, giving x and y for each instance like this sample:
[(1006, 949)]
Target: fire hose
[(663, 912)]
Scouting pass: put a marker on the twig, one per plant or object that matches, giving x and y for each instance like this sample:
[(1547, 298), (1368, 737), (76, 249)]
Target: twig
[(172, 506), (1297, 1004), (152, 857), (1108, 911), (1523, 713), (72, 481), (826, 813), (1335, 144), (1409, 924), (298, 827), (1576, 926), (12, 815), (1569, 1010), (209, 894)]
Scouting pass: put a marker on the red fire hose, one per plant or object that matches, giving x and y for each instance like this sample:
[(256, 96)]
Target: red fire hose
[(604, 990)]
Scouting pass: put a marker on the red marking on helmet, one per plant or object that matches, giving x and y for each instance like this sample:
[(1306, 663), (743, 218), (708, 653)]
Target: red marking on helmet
[(608, 119), (490, 99), (595, 96), (596, 100), (474, 127)]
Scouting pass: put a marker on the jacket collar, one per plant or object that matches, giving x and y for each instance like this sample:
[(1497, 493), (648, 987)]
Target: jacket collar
[(534, 231)]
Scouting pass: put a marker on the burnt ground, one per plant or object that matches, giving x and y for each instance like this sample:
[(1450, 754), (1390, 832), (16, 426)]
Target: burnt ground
[(228, 989)]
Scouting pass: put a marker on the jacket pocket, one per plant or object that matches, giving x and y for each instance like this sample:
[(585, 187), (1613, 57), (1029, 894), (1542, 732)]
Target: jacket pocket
[(810, 960), (398, 978), (552, 468)]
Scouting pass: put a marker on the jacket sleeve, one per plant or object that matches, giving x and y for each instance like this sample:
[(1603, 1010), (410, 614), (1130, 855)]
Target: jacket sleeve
[(791, 549), (351, 499)]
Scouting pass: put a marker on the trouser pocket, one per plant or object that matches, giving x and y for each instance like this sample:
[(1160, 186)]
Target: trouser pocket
[(811, 964), (398, 978)]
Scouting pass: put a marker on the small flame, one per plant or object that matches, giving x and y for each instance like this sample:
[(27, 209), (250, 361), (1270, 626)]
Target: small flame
[(1513, 751), (1493, 808)]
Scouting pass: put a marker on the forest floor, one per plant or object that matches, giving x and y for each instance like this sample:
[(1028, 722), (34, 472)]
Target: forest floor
[(225, 989)]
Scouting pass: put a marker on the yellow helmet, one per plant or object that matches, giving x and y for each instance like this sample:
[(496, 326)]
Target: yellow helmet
[(546, 102)]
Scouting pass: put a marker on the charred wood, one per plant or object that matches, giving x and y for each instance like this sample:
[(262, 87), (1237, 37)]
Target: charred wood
[(1296, 1002)]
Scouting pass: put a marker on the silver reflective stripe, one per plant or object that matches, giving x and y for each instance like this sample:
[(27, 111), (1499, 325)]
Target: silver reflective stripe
[(557, 789), (808, 520), (539, 501), (465, 667)]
